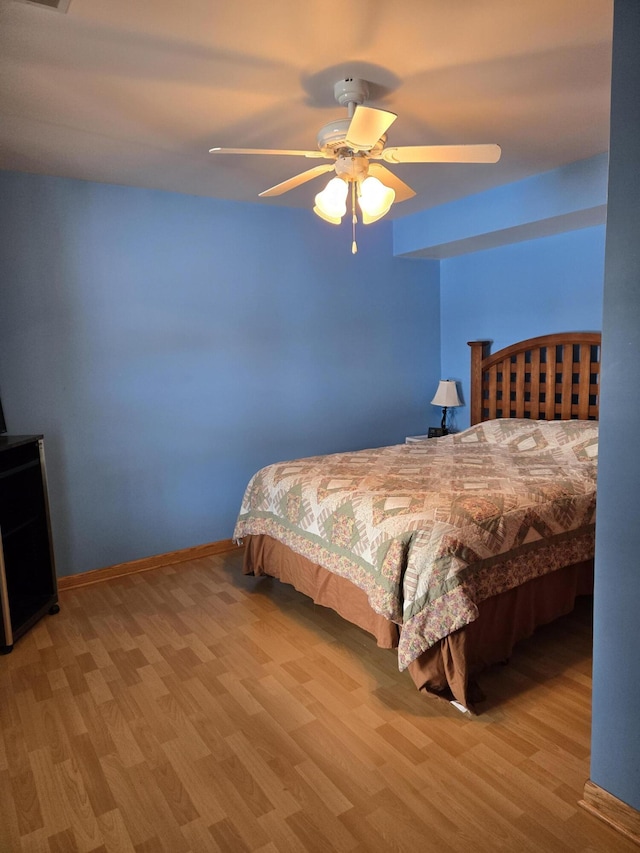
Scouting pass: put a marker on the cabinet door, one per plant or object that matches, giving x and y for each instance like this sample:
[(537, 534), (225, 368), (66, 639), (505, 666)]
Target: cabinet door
[(6, 632), (28, 584)]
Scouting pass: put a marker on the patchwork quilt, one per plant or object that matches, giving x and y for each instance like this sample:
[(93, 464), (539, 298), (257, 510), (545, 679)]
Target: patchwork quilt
[(429, 530)]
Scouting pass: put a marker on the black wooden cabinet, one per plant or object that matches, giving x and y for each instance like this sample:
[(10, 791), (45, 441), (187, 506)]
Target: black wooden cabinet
[(28, 587)]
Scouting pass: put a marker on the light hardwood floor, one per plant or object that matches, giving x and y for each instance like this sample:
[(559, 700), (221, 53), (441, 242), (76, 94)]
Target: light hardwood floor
[(192, 709)]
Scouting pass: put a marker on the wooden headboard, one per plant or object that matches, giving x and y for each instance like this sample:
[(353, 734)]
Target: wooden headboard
[(552, 377)]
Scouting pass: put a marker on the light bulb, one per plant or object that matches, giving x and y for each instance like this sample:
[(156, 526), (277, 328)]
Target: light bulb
[(331, 203), (374, 199)]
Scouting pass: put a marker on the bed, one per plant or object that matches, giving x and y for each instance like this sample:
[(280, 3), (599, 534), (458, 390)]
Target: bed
[(452, 549)]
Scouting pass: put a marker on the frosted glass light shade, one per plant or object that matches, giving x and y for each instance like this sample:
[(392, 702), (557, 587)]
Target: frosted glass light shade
[(447, 394), (331, 203), (374, 199), (334, 220)]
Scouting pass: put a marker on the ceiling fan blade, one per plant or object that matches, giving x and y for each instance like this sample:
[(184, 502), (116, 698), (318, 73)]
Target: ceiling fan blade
[(442, 154), (403, 191), (294, 182), (367, 126), (284, 151)]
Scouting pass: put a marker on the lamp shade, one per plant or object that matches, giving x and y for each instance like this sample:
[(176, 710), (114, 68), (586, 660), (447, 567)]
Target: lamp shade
[(331, 203), (374, 199), (447, 394)]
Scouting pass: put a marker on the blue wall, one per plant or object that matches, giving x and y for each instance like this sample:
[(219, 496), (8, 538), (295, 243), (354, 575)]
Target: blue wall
[(553, 284), (168, 346), (568, 198), (615, 762)]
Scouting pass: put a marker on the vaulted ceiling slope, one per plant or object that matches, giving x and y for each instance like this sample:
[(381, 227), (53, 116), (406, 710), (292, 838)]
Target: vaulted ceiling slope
[(136, 93)]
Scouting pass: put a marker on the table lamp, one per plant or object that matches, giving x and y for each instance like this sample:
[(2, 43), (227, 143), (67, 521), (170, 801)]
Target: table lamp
[(446, 396)]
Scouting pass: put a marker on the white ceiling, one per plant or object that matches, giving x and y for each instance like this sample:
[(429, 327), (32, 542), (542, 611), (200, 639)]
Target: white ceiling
[(135, 92)]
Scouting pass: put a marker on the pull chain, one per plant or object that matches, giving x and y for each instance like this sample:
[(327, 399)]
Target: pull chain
[(354, 218)]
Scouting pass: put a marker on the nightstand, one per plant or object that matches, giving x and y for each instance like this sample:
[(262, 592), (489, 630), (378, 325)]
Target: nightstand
[(434, 432), (415, 439)]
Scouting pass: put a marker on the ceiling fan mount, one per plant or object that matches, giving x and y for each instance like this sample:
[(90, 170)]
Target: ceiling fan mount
[(351, 90)]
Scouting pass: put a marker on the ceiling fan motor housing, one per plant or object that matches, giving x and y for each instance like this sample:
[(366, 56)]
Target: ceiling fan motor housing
[(331, 137)]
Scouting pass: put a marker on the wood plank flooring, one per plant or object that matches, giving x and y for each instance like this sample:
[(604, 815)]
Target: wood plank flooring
[(190, 708)]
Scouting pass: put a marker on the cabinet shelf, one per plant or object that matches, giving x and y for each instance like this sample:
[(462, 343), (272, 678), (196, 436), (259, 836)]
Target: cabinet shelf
[(17, 528)]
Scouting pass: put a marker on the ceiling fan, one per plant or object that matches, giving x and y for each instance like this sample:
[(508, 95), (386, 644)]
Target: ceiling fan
[(354, 144)]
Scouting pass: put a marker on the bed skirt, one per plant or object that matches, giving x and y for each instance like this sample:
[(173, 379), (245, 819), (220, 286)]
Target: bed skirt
[(446, 669)]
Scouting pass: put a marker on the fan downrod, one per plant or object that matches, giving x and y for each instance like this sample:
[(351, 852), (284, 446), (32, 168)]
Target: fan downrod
[(351, 93)]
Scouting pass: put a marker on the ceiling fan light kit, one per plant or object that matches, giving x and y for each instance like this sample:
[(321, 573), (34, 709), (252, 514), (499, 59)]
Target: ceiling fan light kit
[(374, 199), (352, 144)]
